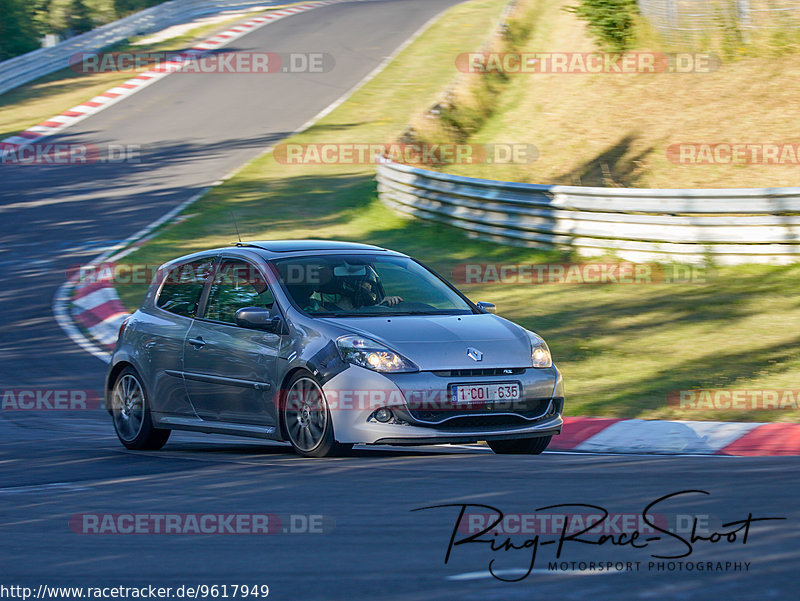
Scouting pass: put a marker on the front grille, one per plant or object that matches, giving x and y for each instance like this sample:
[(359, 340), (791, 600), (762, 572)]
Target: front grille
[(520, 412), (489, 371), (483, 421)]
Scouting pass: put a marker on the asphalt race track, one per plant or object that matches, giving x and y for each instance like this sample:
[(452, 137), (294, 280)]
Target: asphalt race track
[(371, 545)]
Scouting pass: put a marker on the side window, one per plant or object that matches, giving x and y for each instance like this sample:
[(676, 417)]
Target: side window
[(183, 286), (236, 285)]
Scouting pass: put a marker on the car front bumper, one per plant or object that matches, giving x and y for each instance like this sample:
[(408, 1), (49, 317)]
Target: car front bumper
[(355, 394)]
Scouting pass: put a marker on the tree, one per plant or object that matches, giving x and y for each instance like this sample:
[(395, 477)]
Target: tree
[(80, 20), (18, 34)]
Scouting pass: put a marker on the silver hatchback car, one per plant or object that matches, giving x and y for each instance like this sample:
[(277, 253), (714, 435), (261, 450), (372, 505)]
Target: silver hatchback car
[(326, 345)]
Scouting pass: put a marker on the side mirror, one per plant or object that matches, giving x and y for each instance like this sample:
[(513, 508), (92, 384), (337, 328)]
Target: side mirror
[(488, 307), (258, 318)]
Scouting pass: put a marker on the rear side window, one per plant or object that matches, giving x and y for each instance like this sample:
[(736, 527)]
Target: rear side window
[(183, 286)]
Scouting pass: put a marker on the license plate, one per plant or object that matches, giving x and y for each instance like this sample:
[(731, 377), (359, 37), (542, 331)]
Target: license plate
[(471, 394)]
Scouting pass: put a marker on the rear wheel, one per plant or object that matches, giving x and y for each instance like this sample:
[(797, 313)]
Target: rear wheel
[(130, 410), (307, 419), (520, 446)]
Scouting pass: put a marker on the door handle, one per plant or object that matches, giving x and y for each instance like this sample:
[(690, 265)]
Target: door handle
[(197, 343)]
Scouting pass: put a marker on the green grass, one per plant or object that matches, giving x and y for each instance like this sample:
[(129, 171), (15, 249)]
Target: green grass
[(622, 348)]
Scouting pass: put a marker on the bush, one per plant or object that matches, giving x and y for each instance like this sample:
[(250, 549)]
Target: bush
[(611, 22)]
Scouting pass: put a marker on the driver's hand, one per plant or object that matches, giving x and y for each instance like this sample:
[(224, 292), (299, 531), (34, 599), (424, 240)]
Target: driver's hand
[(391, 300)]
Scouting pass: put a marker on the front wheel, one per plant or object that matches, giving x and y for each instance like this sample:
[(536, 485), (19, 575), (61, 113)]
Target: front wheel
[(307, 419), (520, 446), (130, 410)]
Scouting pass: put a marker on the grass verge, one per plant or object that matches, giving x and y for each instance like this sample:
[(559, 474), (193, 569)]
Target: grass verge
[(622, 348)]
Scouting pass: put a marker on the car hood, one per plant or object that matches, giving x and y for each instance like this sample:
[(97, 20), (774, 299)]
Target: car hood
[(441, 342)]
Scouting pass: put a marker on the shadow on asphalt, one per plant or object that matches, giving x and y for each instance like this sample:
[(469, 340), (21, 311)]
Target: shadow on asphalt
[(211, 449)]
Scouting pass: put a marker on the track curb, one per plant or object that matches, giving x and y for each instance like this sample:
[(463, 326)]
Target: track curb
[(662, 437)]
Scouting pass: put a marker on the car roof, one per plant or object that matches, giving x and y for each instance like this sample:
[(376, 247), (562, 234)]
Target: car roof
[(287, 246), (274, 249)]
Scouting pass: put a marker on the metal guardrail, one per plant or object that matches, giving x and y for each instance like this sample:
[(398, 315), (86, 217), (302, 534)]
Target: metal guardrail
[(682, 19), (27, 67), (728, 226)]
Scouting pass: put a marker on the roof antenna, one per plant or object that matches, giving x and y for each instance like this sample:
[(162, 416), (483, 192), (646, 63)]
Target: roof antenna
[(233, 216)]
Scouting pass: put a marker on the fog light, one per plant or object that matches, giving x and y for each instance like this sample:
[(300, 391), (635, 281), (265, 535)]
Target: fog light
[(383, 415)]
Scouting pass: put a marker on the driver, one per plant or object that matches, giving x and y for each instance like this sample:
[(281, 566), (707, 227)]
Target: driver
[(354, 292), (365, 294)]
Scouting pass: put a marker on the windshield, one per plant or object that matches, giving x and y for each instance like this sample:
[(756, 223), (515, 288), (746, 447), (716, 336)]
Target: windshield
[(361, 285)]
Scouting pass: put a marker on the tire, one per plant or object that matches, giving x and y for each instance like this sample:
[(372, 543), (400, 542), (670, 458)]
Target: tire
[(130, 412), (306, 419), (520, 446)]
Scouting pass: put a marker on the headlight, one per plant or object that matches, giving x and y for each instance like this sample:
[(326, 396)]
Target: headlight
[(373, 355), (540, 354)]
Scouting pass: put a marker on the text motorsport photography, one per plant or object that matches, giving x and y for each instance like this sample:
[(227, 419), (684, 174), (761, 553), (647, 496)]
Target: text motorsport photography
[(666, 542)]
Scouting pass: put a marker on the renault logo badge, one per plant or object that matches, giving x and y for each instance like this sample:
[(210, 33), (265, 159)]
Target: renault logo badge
[(474, 354)]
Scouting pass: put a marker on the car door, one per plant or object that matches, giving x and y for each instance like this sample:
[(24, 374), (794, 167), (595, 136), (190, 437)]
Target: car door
[(161, 335), (229, 371)]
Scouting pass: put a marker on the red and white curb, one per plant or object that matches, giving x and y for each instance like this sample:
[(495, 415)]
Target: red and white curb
[(59, 122), (612, 435), (96, 307)]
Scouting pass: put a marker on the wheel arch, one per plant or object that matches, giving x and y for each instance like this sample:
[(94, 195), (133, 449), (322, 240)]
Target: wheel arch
[(282, 389), (111, 379)]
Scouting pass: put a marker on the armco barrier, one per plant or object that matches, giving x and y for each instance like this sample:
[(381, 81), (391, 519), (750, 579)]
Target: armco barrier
[(687, 19), (27, 67), (729, 226)]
